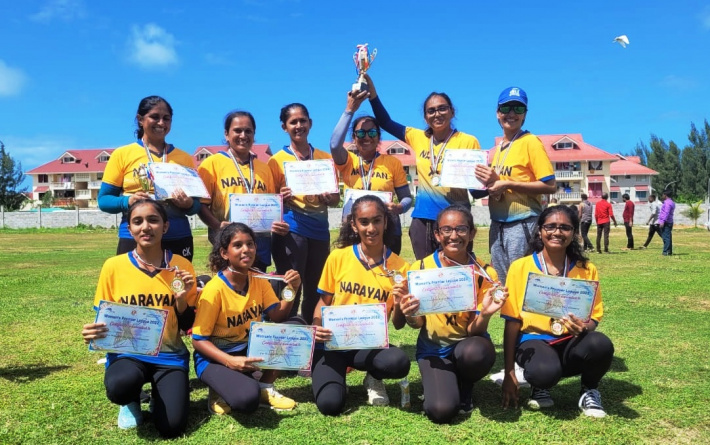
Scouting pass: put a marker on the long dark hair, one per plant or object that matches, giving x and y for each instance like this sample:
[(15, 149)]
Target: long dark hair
[(348, 236), (146, 104), (575, 251), (224, 237)]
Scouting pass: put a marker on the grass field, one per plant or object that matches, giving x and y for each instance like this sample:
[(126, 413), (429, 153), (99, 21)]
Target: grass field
[(658, 390)]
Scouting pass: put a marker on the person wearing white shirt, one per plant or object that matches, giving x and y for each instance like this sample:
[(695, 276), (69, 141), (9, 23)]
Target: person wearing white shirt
[(652, 222)]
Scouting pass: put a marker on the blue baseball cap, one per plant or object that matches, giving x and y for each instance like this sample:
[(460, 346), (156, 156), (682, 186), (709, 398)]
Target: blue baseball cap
[(513, 94)]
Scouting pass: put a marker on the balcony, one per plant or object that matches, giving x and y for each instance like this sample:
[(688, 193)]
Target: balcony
[(61, 185), (567, 197), (82, 177), (94, 185), (568, 175), (83, 194)]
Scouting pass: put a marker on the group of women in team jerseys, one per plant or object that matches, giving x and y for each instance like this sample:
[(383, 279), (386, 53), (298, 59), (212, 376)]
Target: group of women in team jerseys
[(453, 350)]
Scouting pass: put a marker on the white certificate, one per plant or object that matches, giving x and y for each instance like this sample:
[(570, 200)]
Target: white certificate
[(443, 290), (281, 345), (256, 210), (356, 326), (351, 195), (311, 177), (459, 166), (167, 178), (131, 329), (558, 296)]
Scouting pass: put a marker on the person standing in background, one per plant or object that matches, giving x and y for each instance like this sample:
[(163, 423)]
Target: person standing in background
[(665, 222), (628, 216), (655, 208), (603, 213), (585, 220)]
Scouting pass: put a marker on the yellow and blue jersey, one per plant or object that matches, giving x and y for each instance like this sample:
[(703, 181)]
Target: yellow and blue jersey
[(349, 280), (441, 332), (536, 326), (224, 315), (308, 219), (433, 199), (120, 176), (525, 160), (388, 173), (123, 281)]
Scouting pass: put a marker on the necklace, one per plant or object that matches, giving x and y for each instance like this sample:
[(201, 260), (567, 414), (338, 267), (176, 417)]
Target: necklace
[(177, 284), (398, 277)]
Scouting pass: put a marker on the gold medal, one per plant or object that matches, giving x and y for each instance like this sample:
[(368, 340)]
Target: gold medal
[(177, 285), (436, 180), (398, 278), (288, 294), (498, 294), (556, 326)]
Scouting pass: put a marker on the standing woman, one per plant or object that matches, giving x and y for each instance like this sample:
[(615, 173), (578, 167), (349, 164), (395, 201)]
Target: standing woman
[(121, 187), (148, 270), (520, 173), (361, 271), (528, 339), (454, 350), (227, 306), (305, 247), (429, 146), (368, 169), (237, 170)]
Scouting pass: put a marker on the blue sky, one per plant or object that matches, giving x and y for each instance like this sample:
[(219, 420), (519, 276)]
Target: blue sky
[(73, 71)]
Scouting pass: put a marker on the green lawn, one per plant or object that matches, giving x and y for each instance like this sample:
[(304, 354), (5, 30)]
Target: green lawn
[(658, 390)]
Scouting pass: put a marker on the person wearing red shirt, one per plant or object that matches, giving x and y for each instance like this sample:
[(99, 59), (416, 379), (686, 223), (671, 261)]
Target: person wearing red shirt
[(603, 213), (628, 216)]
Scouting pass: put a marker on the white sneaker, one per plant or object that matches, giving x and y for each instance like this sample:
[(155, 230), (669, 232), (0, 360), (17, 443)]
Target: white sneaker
[(376, 392), (499, 376), (591, 404)]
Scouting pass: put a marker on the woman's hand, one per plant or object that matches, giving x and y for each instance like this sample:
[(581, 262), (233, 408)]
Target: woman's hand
[(329, 198), (395, 208), (280, 228), (399, 290), (243, 364), (286, 194), (574, 325), (490, 305), (487, 175), (137, 196), (180, 297), (323, 334), (92, 331), (371, 87), (355, 99), (511, 392), (409, 305), (180, 199), (293, 279)]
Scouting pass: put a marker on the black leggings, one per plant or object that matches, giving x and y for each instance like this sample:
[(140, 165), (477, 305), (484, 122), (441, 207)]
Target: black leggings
[(421, 233), (240, 391), (589, 355), (183, 246), (445, 380), (125, 377), (307, 256), (328, 375)]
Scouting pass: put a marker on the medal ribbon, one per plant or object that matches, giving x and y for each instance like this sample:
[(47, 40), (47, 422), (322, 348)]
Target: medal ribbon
[(367, 182), (145, 263), (291, 149), (499, 164), (388, 273), (541, 257), (434, 167), (150, 155), (249, 185)]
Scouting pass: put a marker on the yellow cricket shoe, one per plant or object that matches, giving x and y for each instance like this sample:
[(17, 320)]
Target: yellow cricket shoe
[(273, 399), (216, 404)]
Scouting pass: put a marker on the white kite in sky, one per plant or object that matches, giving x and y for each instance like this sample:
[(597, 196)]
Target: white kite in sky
[(622, 40)]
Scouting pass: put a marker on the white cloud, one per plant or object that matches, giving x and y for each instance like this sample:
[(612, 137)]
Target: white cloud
[(11, 80), (36, 150), (705, 18), (65, 10), (151, 46)]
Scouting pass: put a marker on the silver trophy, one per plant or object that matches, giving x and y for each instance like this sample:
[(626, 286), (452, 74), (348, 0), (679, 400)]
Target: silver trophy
[(363, 60)]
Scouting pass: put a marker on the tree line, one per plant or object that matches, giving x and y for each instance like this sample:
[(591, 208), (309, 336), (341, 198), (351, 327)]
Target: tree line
[(687, 170)]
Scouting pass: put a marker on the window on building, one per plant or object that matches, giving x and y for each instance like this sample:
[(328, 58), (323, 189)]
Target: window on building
[(99, 176), (614, 178), (595, 165), (627, 176), (614, 195), (396, 151), (202, 156), (564, 145), (640, 178), (641, 194), (103, 158), (68, 160), (42, 178)]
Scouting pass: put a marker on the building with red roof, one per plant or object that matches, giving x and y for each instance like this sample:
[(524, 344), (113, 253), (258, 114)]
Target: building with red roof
[(629, 176)]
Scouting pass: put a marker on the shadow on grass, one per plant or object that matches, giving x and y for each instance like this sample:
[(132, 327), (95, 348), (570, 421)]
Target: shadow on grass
[(618, 364), (28, 373)]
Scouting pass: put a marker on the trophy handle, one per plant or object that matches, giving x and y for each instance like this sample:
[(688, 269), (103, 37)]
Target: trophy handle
[(357, 66), (373, 55)]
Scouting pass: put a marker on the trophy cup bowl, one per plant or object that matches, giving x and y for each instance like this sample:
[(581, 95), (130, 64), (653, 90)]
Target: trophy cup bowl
[(363, 60)]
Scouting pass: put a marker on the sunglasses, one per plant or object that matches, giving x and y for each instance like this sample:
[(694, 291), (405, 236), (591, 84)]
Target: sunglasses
[(360, 134), (441, 109), (517, 109), (460, 230), (552, 228)]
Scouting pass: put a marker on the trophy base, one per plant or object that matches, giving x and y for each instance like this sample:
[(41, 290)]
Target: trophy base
[(359, 86)]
